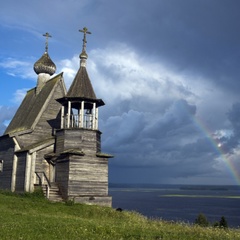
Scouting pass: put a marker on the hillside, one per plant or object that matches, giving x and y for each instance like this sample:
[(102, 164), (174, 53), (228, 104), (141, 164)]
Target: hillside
[(30, 216)]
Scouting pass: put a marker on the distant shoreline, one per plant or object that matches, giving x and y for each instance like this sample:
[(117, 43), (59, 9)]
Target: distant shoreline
[(179, 186)]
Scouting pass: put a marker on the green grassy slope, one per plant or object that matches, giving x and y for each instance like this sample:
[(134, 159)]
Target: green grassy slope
[(33, 217)]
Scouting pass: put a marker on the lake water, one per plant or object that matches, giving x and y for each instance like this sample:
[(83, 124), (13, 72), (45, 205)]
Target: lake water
[(180, 202)]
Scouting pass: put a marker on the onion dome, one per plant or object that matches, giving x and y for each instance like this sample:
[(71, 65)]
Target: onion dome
[(45, 65)]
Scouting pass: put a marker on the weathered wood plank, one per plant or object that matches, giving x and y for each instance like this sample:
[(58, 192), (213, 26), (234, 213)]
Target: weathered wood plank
[(6, 155)]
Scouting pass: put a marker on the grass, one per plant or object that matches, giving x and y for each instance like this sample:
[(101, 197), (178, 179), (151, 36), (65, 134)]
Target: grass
[(30, 216)]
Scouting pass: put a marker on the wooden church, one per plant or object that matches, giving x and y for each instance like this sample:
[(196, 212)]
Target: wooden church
[(53, 140)]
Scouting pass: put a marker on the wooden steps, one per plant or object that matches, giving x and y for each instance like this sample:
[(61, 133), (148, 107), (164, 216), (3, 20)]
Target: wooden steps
[(54, 193)]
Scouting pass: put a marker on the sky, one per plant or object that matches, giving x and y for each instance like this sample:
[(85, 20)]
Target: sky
[(167, 70)]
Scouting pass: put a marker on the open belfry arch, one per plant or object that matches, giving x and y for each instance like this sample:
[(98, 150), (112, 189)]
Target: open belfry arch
[(54, 141)]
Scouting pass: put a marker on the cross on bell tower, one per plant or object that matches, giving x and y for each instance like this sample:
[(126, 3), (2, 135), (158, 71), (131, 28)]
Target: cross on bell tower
[(83, 56), (85, 32)]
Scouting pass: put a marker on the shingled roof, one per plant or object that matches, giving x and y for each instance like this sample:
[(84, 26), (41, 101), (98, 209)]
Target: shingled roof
[(81, 90), (81, 86), (32, 105)]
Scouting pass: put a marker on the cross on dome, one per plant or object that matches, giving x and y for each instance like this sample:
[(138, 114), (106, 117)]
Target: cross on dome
[(47, 35), (45, 63)]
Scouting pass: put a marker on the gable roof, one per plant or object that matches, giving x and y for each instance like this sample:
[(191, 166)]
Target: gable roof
[(31, 107)]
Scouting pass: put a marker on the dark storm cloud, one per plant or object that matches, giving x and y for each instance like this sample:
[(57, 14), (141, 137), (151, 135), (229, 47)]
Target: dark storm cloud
[(233, 140), (167, 144), (194, 36), (174, 118), (149, 121)]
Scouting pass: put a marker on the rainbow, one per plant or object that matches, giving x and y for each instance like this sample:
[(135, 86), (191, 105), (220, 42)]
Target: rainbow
[(225, 157)]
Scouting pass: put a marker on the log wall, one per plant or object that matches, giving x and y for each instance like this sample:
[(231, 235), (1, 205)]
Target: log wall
[(62, 176), (88, 141), (20, 174), (6, 154), (88, 175)]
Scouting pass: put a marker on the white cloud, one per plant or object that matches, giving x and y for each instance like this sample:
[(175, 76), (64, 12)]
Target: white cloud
[(69, 67), (120, 70), (6, 114), (19, 95), (17, 68)]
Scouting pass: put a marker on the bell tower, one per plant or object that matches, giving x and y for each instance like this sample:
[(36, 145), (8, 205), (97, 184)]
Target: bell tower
[(80, 106), (81, 169)]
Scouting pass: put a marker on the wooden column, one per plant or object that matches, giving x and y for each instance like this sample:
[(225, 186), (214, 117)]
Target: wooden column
[(69, 114), (51, 173), (14, 171), (27, 172), (79, 118), (15, 162), (82, 113), (94, 117), (62, 117), (32, 172)]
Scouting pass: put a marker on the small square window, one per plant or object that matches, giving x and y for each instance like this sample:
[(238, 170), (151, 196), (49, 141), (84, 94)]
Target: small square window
[(1, 165)]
